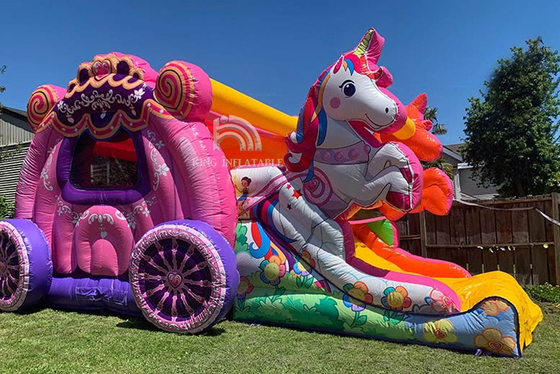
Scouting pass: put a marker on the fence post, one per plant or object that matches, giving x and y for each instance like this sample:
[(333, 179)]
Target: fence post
[(556, 231), (423, 234)]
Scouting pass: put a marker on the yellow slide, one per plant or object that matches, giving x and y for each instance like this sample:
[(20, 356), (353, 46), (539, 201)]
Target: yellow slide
[(471, 290)]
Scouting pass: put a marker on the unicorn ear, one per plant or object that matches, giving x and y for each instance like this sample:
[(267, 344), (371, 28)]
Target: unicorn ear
[(385, 79), (371, 46), (338, 64)]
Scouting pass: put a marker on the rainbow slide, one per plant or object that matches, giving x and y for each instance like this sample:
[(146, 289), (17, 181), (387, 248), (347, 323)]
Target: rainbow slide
[(285, 287), (492, 292)]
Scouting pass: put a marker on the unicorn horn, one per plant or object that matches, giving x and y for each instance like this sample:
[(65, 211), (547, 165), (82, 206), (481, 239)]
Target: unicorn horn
[(371, 46)]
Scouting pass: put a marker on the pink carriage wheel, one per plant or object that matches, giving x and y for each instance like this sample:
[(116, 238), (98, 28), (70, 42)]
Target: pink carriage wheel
[(183, 276), (25, 265)]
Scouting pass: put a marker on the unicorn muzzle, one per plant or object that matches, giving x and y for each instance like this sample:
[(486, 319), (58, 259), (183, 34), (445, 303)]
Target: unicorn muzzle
[(407, 131)]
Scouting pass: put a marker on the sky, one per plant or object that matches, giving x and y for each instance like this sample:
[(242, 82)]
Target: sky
[(275, 50)]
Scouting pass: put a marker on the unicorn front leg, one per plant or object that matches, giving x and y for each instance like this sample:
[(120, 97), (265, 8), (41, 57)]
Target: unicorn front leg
[(399, 172), (349, 186), (389, 154), (389, 185)]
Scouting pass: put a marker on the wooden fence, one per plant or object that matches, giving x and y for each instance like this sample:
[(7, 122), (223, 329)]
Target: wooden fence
[(506, 235)]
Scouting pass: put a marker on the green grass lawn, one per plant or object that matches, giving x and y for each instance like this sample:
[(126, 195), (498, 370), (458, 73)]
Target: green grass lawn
[(56, 341)]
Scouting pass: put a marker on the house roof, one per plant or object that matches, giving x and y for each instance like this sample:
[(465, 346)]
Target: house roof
[(18, 117), (22, 114), (453, 151), (455, 148)]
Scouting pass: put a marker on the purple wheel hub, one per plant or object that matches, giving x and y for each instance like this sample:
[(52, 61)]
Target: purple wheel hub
[(182, 274), (25, 265), (10, 285)]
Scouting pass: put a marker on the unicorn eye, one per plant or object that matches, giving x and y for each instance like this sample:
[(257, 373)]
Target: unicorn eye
[(348, 88)]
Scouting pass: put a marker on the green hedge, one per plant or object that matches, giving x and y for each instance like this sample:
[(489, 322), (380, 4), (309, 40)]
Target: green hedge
[(6, 208), (544, 293)]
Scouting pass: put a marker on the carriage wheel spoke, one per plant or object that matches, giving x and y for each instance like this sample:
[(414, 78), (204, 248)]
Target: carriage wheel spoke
[(150, 277), (188, 255), (11, 278), (165, 262), (174, 248), (185, 303), (162, 300), (198, 298), (12, 255), (6, 285), (3, 241), (151, 262), (200, 283), (4, 250), (174, 312), (197, 267), (153, 290), (2, 285)]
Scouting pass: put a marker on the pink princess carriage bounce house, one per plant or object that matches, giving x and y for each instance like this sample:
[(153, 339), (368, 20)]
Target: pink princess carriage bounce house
[(155, 239), (126, 202)]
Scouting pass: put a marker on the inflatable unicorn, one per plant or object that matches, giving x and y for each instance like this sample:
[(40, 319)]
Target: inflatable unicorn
[(302, 263), (334, 144), (337, 166)]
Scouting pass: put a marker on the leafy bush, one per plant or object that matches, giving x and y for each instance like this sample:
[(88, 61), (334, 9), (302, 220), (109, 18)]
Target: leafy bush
[(544, 292), (6, 208)]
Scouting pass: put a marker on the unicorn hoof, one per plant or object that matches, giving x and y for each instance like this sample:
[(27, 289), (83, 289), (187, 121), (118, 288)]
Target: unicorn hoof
[(398, 200)]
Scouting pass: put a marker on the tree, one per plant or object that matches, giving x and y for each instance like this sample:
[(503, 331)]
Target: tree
[(2, 88), (511, 130), (6, 208), (431, 114), (438, 128)]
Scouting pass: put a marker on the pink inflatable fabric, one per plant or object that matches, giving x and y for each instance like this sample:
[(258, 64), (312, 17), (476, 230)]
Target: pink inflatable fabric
[(119, 108)]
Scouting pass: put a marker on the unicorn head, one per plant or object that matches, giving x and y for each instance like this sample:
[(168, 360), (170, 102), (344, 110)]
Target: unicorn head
[(353, 89)]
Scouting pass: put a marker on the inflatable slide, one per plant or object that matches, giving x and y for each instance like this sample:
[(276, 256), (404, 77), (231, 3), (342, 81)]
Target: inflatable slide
[(307, 260)]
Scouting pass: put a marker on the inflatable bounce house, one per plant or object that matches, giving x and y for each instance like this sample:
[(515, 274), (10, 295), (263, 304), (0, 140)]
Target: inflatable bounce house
[(175, 197)]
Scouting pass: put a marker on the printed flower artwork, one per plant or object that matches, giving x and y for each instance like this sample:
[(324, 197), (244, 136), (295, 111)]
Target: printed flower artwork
[(305, 264), (323, 285), (139, 93), (441, 303), (245, 287), (393, 317), (396, 298), (494, 307), (440, 331), (241, 239), (356, 296), (493, 340), (272, 270)]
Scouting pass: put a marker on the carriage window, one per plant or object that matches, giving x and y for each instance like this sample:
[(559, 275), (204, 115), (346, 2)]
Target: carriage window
[(108, 163)]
